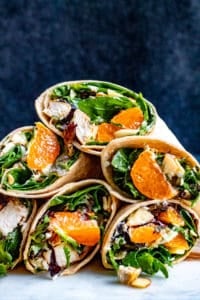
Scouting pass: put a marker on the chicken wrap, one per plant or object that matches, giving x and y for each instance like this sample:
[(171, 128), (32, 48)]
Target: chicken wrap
[(16, 215), (141, 168), (150, 237), (34, 162), (68, 230), (95, 112)]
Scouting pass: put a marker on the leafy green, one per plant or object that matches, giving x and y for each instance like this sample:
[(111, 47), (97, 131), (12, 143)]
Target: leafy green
[(118, 243), (9, 158), (104, 86), (61, 91), (148, 113), (103, 108), (9, 249), (191, 182), (67, 255), (122, 162), (67, 163), (13, 241), (67, 239), (188, 220), (111, 258), (85, 196), (24, 181), (146, 260), (38, 238)]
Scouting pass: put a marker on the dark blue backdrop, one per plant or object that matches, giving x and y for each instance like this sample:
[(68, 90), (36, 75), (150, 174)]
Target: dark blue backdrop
[(149, 46)]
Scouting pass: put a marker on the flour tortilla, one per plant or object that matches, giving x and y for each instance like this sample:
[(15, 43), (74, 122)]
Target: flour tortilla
[(71, 188), (125, 211), (135, 143), (41, 103), (86, 166)]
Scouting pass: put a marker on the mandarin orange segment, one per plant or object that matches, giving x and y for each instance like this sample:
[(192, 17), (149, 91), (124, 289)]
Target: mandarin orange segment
[(44, 148), (148, 178), (130, 118), (144, 234), (178, 243), (106, 132), (85, 232), (171, 216)]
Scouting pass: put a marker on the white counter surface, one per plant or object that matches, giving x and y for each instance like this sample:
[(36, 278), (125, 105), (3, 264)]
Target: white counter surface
[(95, 283)]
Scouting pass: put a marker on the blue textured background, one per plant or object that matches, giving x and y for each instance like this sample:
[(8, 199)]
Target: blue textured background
[(149, 46)]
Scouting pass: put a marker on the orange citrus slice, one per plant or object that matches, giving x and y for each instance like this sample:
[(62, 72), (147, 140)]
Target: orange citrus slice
[(149, 179), (130, 118), (178, 243), (106, 132), (44, 148), (144, 234), (85, 232), (171, 216)]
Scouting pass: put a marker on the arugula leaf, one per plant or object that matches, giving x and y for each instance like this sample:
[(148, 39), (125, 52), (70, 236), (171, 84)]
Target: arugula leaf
[(13, 241), (145, 260), (81, 197), (9, 158), (111, 258), (60, 92), (5, 259), (38, 236), (188, 220), (122, 162), (104, 86), (103, 108), (30, 183)]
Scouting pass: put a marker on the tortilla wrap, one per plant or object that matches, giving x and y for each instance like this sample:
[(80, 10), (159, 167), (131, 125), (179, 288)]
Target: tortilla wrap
[(58, 107), (16, 216), (40, 184), (122, 238), (102, 210), (139, 168)]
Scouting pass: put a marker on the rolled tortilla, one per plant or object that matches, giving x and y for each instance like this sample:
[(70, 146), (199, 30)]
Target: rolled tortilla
[(16, 215), (21, 180), (97, 111), (150, 236), (142, 168), (68, 229)]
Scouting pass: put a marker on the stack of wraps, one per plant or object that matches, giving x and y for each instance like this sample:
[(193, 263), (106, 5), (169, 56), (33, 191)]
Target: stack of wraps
[(107, 175)]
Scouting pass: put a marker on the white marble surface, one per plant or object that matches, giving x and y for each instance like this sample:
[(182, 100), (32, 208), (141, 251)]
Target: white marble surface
[(95, 283)]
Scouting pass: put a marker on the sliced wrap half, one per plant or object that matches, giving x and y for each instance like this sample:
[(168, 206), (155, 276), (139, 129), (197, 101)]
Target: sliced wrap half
[(34, 162), (68, 229), (95, 112), (150, 236), (142, 168), (16, 215)]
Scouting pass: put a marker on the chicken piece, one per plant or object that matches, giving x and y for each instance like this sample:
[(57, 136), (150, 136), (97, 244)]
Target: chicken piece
[(85, 131), (57, 109), (140, 217), (171, 167)]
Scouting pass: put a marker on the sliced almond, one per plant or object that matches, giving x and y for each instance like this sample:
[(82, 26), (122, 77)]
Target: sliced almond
[(125, 132), (141, 282), (127, 274)]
